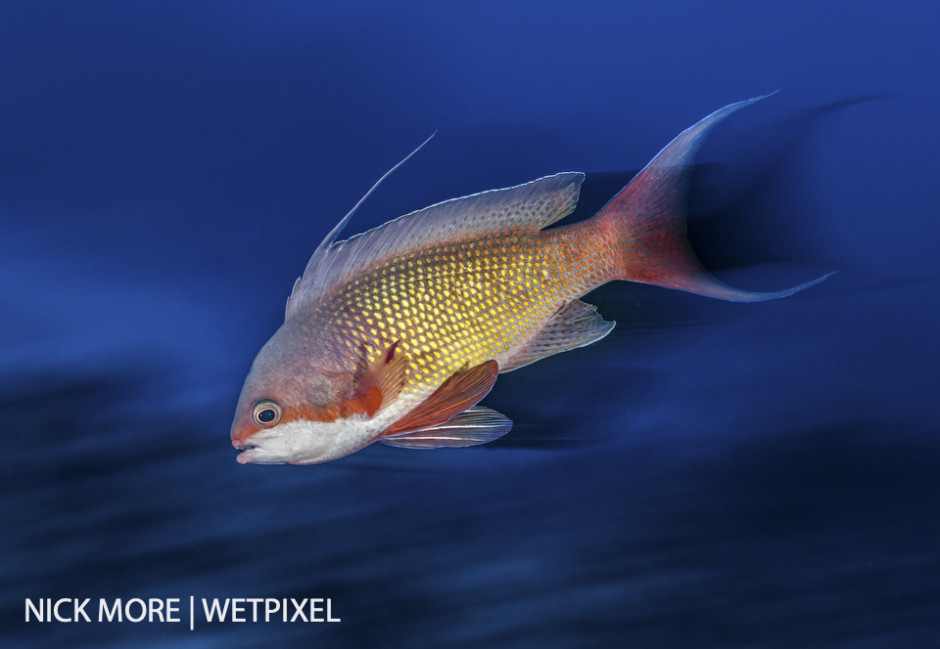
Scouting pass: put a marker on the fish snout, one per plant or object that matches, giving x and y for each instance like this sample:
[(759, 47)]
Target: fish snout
[(240, 436)]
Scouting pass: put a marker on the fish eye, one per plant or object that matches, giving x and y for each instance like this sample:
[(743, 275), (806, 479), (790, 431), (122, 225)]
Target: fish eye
[(266, 413)]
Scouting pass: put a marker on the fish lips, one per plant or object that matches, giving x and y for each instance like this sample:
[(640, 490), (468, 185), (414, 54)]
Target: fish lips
[(253, 450), (247, 449)]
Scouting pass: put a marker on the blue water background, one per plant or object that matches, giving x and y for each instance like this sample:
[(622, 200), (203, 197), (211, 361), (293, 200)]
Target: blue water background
[(710, 475)]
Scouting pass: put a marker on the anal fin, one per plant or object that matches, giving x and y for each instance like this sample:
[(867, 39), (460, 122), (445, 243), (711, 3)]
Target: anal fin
[(575, 325), (458, 393), (472, 427)]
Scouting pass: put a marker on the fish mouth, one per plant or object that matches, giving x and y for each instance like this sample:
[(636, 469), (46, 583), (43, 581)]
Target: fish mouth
[(255, 453), (246, 449)]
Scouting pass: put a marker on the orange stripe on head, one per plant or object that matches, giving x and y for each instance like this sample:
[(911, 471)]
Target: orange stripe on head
[(366, 403)]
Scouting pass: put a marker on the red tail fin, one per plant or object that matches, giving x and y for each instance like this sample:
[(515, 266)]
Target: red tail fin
[(649, 213)]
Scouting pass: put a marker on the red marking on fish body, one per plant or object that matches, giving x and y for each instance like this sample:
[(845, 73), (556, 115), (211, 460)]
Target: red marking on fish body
[(369, 401)]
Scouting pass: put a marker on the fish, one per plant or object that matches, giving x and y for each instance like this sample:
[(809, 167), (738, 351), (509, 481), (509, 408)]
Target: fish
[(396, 334)]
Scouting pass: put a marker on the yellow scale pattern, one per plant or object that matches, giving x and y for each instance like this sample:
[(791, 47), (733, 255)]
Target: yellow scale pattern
[(459, 304)]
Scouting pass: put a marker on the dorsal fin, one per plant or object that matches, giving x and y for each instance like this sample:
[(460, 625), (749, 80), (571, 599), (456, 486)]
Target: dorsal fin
[(528, 207), (332, 234)]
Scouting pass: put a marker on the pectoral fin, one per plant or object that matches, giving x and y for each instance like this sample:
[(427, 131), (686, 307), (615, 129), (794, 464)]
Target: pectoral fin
[(381, 381), (473, 427), (458, 393)]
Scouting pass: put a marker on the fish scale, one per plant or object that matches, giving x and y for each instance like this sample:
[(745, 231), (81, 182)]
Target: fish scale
[(462, 303), (396, 334)]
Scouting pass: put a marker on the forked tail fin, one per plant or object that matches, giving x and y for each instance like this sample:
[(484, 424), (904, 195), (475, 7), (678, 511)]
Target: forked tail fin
[(650, 218)]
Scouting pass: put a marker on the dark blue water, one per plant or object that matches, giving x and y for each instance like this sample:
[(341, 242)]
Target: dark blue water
[(711, 475)]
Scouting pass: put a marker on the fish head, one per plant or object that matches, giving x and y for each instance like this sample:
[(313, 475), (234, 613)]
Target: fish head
[(289, 408)]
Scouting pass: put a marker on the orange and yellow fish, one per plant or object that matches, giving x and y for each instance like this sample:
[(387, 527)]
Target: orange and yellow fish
[(396, 334)]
